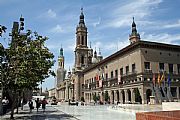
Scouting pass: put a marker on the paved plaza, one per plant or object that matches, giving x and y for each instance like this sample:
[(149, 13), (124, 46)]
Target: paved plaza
[(97, 112), (50, 114)]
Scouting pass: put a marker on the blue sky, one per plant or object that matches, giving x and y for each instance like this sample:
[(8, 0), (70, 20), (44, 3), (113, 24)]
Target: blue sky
[(108, 22)]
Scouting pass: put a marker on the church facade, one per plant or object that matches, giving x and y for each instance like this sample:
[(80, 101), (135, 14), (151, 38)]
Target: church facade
[(142, 72)]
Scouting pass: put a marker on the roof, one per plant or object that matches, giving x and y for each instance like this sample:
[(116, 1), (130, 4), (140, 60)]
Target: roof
[(131, 47)]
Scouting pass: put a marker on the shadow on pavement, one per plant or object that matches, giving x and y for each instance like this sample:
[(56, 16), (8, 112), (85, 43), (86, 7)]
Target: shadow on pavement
[(42, 116)]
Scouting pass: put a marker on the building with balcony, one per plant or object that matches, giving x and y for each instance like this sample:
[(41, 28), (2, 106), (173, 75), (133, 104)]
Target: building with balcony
[(131, 75)]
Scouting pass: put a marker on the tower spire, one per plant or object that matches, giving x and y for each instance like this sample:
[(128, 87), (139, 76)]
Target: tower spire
[(134, 36), (81, 17)]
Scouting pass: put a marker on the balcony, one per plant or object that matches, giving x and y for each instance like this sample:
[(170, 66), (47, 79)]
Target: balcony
[(148, 71)]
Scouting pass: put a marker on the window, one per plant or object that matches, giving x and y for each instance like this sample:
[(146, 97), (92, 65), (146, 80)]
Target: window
[(111, 74), (78, 40), (161, 66), (170, 68), (116, 73), (133, 68), (147, 65), (106, 76), (173, 91), (127, 69), (82, 40), (121, 71), (178, 68), (82, 59)]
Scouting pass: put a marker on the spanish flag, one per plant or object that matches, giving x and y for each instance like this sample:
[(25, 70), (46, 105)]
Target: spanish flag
[(159, 78), (154, 79), (97, 77), (162, 77)]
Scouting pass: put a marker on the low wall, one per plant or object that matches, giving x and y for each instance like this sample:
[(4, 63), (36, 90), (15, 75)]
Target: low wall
[(161, 115), (168, 106)]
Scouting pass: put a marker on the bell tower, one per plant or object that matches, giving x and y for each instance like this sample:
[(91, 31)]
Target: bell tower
[(61, 59), (81, 50), (134, 36)]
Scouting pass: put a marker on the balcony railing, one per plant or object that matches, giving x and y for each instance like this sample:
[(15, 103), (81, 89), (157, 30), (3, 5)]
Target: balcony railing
[(148, 71)]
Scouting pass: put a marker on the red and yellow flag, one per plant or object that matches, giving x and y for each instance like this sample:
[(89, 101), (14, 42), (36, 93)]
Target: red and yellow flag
[(159, 78)]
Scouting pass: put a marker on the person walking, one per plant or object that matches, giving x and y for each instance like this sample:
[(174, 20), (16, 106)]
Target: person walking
[(5, 103), (38, 104), (44, 102), (31, 105)]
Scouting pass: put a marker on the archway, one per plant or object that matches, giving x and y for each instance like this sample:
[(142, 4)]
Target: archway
[(138, 98), (148, 94), (129, 95), (123, 96), (106, 97), (117, 94), (112, 96)]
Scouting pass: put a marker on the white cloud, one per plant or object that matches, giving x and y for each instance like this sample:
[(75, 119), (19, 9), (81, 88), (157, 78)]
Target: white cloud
[(162, 37), (174, 25), (56, 29), (122, 15), (95, 24), (51, 13), (48, 14)]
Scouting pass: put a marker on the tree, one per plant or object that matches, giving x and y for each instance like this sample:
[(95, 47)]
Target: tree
[(30, 63)]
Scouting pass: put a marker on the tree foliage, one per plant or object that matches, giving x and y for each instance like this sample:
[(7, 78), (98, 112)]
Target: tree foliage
[(30, 60)]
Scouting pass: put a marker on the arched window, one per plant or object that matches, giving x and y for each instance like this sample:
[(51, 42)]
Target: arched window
[(82, 59), (82, 40)]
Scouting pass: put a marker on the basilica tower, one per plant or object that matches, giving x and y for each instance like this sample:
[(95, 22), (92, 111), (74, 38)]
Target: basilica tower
[(60, 71), (134, 36), (81, 50)]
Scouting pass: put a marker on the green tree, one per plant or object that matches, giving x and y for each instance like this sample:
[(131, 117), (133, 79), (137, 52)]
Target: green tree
[(30, 63)]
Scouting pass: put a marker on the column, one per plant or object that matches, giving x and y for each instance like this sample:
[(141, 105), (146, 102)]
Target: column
[(177, 91), (132, 95), (120, 96), (143, 95), (115, 96), (126, 96), (110, 96)]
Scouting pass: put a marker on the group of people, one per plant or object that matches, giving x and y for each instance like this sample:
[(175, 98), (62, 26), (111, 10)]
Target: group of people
[(38, 104)]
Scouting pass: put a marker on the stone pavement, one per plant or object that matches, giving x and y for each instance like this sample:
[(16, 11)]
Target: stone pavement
[(51, 113)]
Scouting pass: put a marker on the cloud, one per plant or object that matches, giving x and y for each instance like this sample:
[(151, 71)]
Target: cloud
[(56, 29), (162, 37), (48, 14), (51, 13), (95, 24), (175, 25), (140, 9)]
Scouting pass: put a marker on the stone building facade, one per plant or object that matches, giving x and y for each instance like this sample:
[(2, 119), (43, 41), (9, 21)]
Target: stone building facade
[(134, 74)]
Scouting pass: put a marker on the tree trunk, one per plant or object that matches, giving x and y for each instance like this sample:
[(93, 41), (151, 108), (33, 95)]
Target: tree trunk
[(13, 96)]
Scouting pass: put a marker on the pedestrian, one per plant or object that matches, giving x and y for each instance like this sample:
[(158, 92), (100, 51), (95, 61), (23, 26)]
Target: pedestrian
[(31, 105), (38, 104), (44, 102), (5, 103)]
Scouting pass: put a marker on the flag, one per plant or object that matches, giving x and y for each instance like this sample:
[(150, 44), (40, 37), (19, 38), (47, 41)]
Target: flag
[(119, 79), (102, 76), (169, 80), (154, 79), (159, 78), (97, 77), (88, 86), (162, 77), (100, 83)]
